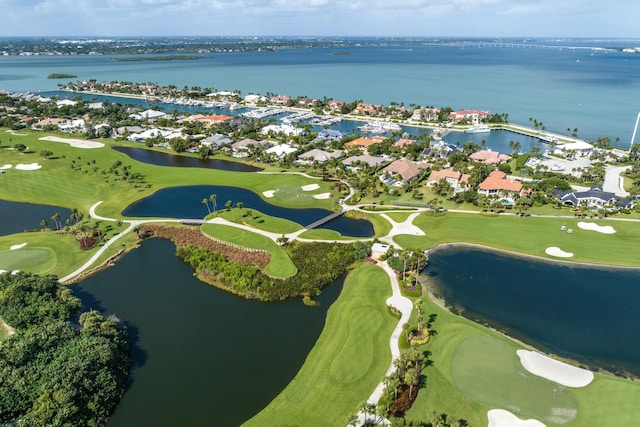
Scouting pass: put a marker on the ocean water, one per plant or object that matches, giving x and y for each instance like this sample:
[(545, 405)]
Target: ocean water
[(562, 83)]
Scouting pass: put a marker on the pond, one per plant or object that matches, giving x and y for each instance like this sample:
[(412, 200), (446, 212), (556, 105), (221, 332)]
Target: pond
[(186, 202), (587, 314), (18, 217), (202, 356), (166, 159)]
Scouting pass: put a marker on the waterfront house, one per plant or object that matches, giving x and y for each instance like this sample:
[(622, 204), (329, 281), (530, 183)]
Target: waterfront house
[(403, 142), (336, 105), (330, 135), (456, 179), (65, 102), (403, 171), (497, 183), (149, 115), (572, 149), (216, 140), (280, 100), (425, 114), (489, 157), (367, 109), (461, 115), (287, 130)]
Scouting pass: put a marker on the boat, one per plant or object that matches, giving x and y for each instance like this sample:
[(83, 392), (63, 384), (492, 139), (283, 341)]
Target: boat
[(477, 127), (379, 127)]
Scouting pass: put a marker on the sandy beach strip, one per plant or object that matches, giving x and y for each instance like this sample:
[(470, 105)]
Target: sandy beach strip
[(28, 166), (503, 418), (554, 370), (16, 247), (322, 196), (557, 252), (268, 193), (310, 187), (592, 226), (76, 143)]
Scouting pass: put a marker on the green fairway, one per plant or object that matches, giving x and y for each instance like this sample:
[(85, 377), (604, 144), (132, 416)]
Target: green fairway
[(399, 216), (488, 371), (258, 220), (531, 236), (349, 359), (280, 264)]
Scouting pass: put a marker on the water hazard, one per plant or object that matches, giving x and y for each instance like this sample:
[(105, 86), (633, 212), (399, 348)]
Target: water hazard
[(587, 314), (186, 202), (18, 217), (202, 356), (165, 159)]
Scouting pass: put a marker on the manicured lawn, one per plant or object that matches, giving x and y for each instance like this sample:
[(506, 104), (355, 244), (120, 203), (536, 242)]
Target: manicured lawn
[(325, 234), (349, 359), (532, 236), (476, 369), (280, 264), (259, 220), (23, 258), (399, 216)]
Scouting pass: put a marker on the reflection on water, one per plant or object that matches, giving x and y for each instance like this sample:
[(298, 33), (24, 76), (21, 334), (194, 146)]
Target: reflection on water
[(18, 217)]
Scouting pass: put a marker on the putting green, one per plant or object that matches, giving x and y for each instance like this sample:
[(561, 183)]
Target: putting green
[(292, 193), (23, 258), (488, 371)]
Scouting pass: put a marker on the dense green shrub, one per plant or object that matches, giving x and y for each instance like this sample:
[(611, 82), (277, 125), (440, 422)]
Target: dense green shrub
[(52, 372)]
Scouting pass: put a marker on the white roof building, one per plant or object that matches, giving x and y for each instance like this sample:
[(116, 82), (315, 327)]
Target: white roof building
[(281, 150), (148, 115), (285, 129)]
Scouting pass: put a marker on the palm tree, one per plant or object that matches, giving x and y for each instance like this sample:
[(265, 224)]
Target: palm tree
[(229, 206), (206, 203), (213, 198), (56, 218), (411, 378), (240, 205), (44, 224)]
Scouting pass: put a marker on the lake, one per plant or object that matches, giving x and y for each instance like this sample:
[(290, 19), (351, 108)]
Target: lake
[(186, 202), (202, 356), (590, 315), (17, 217)]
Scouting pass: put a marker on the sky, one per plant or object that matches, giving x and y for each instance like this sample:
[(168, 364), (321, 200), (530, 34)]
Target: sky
[(428, 18)]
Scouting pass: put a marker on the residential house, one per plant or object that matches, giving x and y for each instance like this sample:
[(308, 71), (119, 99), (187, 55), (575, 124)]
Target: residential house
[(364, 143), (403, 142), (317, 155), (254, 99), (353, 162), (65, 102), (148, 115), (336, 105), (153, 133), (280, 100), (593, 197), (489, 157), (281, 150), (76, 125), (288, 130), (456, 179), (330, 135), (41, 124), (216, 140), (460, 115), (403, 171), (367, 109), (242, 147), (572, 149), (498, 184), (425, 114)]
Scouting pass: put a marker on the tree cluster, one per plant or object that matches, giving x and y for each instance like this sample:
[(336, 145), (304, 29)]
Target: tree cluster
[(54, 372)]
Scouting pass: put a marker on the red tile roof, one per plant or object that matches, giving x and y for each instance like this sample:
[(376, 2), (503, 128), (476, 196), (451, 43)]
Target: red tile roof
[(498, 181)]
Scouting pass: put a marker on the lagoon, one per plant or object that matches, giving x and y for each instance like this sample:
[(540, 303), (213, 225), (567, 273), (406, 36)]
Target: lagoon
[(202, 356), (588, 314), (17, 217), (186, 203)]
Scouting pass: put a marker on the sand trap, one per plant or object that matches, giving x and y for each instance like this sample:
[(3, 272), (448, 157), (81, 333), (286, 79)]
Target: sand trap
[(7, 166), (14, 272), (502, 418), (3, 271), (605, 229), (268, 193), (322, 196), (76, 143), (28, 167), (554, 370), (16, 247), (557, 252), (310, 187)]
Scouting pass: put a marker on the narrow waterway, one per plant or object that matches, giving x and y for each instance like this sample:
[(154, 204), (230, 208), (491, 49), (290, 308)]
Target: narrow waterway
[(587, 314), (202, 356)]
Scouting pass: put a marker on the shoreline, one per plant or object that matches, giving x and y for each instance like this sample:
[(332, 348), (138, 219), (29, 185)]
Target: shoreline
[(583, 264)]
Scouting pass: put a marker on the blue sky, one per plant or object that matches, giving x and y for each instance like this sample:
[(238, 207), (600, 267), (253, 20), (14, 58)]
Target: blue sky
[(464, 18)]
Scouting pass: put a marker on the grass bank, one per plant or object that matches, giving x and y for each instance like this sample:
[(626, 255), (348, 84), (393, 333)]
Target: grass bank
[(349, 359), (532, 236), (280, 264)]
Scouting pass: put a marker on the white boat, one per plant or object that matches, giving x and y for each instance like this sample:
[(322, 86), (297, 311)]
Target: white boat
[(379, 127), (477, 127)]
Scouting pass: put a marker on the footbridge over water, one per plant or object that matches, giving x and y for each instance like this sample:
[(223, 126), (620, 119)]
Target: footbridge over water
[(326, 219)]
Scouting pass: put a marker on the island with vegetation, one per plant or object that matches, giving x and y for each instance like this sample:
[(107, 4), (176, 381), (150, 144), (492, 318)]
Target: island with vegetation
[(158, 58), (354, 373), (61, 76)]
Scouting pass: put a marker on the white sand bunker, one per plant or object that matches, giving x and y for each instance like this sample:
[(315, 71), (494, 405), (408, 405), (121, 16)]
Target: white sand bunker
[(557, 252), (605, 229), (16, 247), (76, 143), (502, 418), (7, 166), (310, 187), (322, 196), (268, 193), (554, 370), (28, 166)]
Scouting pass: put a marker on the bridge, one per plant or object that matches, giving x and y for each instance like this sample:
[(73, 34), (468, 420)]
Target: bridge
[(326, 219)]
